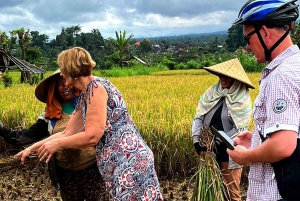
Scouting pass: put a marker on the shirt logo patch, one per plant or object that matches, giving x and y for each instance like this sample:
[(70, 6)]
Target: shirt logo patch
[(279, 106)]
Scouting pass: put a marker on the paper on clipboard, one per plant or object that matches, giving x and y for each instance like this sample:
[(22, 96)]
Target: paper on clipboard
[(225, 139)]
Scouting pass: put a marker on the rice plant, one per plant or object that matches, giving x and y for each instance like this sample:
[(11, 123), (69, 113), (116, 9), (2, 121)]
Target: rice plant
[(209, 184), (162, 107)]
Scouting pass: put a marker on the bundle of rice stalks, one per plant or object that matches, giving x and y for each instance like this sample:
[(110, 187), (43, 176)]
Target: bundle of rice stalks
[(209, 185)]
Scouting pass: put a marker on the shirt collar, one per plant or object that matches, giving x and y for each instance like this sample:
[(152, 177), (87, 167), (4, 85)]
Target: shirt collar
[(279, 59)]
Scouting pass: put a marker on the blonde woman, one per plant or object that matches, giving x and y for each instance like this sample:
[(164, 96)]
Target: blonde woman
[(102, 120), (74, 171)]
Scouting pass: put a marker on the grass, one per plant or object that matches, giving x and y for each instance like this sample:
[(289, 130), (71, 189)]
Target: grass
[(132, 71)]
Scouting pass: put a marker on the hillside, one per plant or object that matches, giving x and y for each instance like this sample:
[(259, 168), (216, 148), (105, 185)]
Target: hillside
[(192, 38)]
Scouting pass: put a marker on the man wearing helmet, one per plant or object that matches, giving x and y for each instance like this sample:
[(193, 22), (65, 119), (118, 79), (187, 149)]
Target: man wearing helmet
[(267, 24)]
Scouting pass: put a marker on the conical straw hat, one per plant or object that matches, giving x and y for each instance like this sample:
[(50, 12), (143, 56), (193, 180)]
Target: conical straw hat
[(41, 91), (232, 68)]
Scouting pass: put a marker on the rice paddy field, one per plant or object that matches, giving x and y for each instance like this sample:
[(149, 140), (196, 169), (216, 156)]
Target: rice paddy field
[(162, 105)]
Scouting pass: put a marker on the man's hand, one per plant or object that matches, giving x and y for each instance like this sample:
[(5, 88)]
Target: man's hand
[(239, 155), (243, 139)]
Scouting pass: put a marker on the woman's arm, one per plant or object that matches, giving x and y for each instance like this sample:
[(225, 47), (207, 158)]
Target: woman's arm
[(33, 148), (196, 128), (75, 124), (94, 127)]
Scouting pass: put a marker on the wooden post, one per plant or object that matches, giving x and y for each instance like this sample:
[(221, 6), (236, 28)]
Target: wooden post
[(22, 76)]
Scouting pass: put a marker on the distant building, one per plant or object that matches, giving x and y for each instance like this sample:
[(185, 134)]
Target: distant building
[(126, 62)]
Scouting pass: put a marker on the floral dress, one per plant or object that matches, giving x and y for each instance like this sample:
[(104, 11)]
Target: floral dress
[(124, 160)]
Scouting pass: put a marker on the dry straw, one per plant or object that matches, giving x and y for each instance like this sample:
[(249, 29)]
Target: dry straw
[(209, 185)]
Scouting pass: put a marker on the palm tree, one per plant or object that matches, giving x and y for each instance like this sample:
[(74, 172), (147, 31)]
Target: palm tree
[(24, 39), (24, 42), (4, 40), (121, 44)]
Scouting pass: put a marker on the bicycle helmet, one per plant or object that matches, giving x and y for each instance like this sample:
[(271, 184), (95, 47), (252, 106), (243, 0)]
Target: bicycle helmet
[(268, 12)]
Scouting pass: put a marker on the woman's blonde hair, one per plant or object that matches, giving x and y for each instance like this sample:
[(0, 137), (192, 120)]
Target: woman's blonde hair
[(76, 62)]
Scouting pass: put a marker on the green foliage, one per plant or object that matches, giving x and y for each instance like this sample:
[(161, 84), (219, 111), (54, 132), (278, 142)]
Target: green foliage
[(116, 71), (4, 40), (109, 64), (249, 63), (207, 63), (170, 64), (119, 47), (53, 66), (181, 66), (296, 35), (32, 55), (23, 39), (35, 79), (7, 80), (145, 46), (192, 64), (189, 39), (235, 38)]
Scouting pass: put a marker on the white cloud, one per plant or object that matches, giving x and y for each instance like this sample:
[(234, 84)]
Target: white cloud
[(142, 18)]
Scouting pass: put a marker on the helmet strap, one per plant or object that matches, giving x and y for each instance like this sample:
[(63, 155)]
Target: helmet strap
[(269, 51)]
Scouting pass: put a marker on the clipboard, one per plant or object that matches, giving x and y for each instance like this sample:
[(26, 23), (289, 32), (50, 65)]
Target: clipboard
[(224, 137)]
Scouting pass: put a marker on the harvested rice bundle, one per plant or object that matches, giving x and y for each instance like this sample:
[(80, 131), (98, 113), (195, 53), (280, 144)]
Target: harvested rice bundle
[(209, 185)]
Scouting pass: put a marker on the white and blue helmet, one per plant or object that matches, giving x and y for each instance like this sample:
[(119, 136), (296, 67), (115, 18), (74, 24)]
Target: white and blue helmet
[(268, 12)]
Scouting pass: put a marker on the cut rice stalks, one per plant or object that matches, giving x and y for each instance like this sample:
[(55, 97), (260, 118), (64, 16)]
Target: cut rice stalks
[(209, 184)]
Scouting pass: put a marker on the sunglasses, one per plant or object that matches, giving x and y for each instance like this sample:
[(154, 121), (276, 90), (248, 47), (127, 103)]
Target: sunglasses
[(248, 36)]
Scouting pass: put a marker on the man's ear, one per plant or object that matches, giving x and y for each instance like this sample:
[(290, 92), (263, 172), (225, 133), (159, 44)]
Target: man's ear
[(266, 30)]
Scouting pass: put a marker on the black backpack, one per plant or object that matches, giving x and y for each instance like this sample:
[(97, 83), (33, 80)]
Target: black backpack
[(287, 174)]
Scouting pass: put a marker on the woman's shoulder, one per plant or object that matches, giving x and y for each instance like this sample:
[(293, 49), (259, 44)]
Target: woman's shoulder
[(102, 80)]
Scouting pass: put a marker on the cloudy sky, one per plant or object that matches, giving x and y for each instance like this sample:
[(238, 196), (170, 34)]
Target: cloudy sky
[(143, 18)]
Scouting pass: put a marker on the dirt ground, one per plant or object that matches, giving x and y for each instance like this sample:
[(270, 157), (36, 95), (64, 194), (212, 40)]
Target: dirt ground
[(31, 182), (180, 190)]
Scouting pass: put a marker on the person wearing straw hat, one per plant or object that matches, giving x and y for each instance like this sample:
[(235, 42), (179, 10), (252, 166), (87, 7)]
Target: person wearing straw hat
[(101, 119), (73, 170), (267, 26), (227, 107)]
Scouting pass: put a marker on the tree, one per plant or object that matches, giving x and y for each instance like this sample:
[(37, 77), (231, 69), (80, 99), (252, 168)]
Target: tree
[(61, 39), (145, 46), (23, 39), (38, 40), (213, 46), (97, 39), (4, 40), (33, 54), (235, 38), (121, 44), (24, 43), (296, 35)]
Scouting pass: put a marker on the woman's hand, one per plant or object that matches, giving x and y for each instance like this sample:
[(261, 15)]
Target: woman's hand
[(23, 154), (47, 150)]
